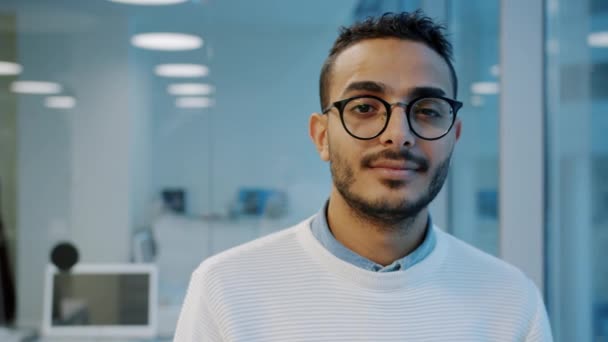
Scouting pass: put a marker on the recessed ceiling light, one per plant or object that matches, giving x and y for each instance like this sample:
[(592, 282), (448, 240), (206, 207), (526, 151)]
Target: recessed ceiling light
[(10, 68), (149, 2), (598, 39), (181, 70), (485, 88), (167, 41), (194, 102), (60, 102), (35, 87), (190, 89)]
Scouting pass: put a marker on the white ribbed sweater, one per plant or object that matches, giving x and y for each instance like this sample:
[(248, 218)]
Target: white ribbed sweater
[(287, 287)]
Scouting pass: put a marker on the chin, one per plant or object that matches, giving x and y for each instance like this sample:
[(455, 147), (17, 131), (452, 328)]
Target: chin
[(394, 199), (395, 184)]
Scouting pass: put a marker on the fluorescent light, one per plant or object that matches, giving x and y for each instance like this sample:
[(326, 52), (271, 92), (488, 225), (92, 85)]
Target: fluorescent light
[(149, 2), (60, 102), (194, 102), (495, 70), (485, 88), (10, 68), (35, 87), (167, 41), (190, 89), (598, 39), (181, 70), (476, 101)]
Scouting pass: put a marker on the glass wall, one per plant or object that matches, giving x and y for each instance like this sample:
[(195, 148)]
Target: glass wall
[(469, 209), (110, 143), (114, 143), (473, 184), (577, 168), (107, 139), (8, 169)]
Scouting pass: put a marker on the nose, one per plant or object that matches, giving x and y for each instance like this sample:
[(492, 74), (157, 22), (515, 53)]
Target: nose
[(398, 132)]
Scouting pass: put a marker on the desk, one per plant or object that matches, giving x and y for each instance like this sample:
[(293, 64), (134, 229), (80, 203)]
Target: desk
[(12, 335), (96, 339)]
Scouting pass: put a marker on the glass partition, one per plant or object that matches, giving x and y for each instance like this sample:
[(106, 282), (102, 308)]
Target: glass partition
[(473, 184), (163, 132), (577, 168)]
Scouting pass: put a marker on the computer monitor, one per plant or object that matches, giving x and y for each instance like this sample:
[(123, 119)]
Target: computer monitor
[(101, 300)]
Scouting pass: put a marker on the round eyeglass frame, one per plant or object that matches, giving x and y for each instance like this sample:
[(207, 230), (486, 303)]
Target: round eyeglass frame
[(340, 105)]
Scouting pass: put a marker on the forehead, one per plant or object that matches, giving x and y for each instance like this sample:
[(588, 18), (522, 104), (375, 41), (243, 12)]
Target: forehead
[(402, 65)]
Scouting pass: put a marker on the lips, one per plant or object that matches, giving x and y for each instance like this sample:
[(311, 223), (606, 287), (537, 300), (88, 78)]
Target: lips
[(395, 165), (401, 170)]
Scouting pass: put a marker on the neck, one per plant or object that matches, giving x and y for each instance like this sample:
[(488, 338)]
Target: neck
[(373, 239)]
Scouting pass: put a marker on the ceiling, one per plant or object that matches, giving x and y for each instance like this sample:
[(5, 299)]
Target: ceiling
[(62, 16)]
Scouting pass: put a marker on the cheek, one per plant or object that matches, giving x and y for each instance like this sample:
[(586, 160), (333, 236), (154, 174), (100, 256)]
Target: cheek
[(343, 156), (436, 152), (344, 149)]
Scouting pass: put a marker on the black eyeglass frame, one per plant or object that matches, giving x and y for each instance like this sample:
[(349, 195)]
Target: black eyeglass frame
[(340, 105)]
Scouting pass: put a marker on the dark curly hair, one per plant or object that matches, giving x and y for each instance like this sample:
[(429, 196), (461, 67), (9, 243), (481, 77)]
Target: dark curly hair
[(414, 26)]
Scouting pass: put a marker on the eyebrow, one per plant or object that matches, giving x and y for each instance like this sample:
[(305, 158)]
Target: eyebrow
[(376, 87), (426, 91), (379, 87)]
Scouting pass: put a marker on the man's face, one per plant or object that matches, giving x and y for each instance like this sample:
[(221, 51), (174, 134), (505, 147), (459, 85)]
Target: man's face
[(395, 175)]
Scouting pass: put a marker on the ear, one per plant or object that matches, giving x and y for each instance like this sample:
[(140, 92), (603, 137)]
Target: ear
[(317, 129), (457, 128)]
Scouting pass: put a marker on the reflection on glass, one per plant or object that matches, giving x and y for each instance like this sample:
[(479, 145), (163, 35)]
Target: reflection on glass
[(100, 299), (577, 165), (474, 172)]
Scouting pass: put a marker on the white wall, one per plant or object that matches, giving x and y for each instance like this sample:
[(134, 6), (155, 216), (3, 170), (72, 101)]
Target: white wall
[(44, 175), (91, 174), (102, 145), (140, 122), (76, 167), (257, 134)]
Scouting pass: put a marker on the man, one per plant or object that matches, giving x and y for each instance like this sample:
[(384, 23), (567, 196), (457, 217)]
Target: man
[(370, 266)]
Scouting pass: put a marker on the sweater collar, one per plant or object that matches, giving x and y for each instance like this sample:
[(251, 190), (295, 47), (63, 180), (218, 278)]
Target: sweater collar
[(321, 231)]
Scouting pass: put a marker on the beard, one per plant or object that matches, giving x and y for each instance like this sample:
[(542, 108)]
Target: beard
[(383, 211)]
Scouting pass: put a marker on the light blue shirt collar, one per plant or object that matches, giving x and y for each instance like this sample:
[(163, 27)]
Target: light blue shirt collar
[(320, 229)]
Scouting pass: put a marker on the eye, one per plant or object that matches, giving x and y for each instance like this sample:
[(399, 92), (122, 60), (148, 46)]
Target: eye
[(429, 112), (431, 109), (364, 107)]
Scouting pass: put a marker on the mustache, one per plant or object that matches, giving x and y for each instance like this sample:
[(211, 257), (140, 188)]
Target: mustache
[(400, 155)]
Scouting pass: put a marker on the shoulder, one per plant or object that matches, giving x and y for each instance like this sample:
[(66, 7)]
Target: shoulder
[(464, 255), (500, 290), (471, 265), (254, 255)]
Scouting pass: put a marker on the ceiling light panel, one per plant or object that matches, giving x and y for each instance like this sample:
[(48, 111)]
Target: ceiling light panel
[(485, 88), (167, 41), (35, 87), (194, 102), (190, 89), (181, 70), (60, 102), (598, 39), (10, 68)]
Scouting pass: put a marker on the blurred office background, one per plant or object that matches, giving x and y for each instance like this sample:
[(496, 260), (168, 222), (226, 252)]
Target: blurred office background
[(139, 149)]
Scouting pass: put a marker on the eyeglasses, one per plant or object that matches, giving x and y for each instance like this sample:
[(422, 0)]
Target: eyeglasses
[(366, 117)]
